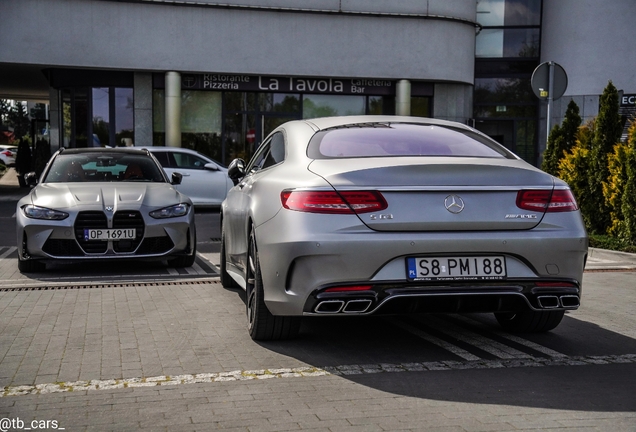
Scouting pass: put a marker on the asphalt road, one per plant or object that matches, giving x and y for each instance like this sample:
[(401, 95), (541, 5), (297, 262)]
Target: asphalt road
[(148, 350)]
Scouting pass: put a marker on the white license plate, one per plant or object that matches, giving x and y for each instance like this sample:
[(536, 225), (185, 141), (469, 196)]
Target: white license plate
[(456, 268), (110, 234)]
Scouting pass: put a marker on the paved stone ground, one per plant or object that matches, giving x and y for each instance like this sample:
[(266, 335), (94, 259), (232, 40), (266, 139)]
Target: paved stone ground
[(151, 342)]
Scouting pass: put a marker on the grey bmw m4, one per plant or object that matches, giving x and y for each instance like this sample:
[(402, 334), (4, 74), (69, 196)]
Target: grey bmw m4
[(397, 215), (104, 204)]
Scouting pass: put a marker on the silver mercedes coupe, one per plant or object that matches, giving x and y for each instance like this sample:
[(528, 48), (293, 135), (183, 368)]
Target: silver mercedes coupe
[(397, 215), (101, 204)]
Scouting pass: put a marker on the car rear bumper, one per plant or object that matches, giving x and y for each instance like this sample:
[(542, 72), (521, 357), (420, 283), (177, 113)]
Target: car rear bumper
[(402, 298), (298, 265)]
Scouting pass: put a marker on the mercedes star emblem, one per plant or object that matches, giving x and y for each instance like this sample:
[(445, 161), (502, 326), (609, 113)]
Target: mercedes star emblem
[(454, 204)]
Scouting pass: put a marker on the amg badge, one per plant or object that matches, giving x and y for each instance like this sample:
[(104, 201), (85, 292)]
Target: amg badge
[(521, 216)]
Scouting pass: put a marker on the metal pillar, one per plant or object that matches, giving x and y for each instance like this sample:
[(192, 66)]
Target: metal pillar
[(403, 98), (173, 109), (550, 100)]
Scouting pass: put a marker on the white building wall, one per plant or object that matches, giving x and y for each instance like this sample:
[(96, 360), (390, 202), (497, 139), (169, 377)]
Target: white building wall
[(594, 41), (386, 41)]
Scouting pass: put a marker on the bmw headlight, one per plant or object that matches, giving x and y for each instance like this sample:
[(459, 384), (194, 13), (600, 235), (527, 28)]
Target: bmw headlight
[(35, 212), (172, 211)]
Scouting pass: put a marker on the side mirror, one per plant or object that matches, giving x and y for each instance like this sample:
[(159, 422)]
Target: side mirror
[(31, 179), (211, 166), (236, 170), (176, 178)]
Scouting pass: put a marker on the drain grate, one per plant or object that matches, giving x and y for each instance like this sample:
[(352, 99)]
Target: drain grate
[(109, 285)]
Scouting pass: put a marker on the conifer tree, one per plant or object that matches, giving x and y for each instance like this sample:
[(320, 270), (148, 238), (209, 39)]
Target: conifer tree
[(629, 194), (562, 139), (606, 134)]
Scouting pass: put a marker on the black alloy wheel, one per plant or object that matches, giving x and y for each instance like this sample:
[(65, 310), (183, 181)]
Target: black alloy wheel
[(261, 324), (530, 321)]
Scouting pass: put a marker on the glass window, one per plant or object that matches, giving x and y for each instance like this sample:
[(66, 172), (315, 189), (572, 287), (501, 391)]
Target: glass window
[(497, 13), (399, 139), (318, 105), (101, 166), (257, 160), (490, 12), (101, 117), (279, 102), (200, 112), (379, 105), (421, 106), (200, 121), (507, 43), (503, 110), (277, 151), (502, 90), (240, 101), (124, 116), (163, 158), (189, 161)]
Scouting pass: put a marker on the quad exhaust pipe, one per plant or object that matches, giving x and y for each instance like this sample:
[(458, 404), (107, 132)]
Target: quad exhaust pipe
[(553, 302), (340, 306)]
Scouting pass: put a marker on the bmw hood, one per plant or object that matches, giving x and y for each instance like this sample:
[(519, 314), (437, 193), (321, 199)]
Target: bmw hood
[(98, 196)]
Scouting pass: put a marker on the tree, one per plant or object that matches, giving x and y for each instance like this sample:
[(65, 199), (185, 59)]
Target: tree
[(38, 111), (551, 155), (19, 119), (574, 168), (562, 139), (628, 205), (615, 185), (5, 108), (606, 134)]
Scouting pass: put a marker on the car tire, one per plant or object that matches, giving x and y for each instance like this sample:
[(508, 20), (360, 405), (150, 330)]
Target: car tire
[(530, 321), (262, 325), (31, 266), (185, 260), (226, 280)]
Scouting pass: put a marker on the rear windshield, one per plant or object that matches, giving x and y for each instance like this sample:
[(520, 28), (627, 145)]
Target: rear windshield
[(402, 139)]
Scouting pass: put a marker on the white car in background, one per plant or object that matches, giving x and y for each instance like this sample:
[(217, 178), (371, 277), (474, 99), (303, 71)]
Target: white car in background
[(8, 154), (205, 180)]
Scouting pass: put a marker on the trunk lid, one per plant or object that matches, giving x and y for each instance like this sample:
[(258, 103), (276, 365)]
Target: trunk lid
[(440, 194)]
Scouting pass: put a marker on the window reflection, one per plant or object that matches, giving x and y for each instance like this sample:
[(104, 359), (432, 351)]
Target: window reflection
[(497, 13), (317, 105), (279, 102), (101, 115), (507, 43), (489, 90)]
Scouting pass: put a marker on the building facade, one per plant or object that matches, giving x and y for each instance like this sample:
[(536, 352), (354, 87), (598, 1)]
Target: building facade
[(219, 77)]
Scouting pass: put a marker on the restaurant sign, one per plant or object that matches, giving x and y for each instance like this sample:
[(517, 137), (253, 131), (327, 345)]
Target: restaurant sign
[(257, 83)]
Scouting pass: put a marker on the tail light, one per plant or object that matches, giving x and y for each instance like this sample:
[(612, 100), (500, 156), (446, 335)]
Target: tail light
[(550, 201), (347, 202), (7, 153)]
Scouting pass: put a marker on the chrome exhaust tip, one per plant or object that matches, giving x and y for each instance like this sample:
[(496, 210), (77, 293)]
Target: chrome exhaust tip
[(329, 307), (357, 306), (570, 301), (548, 302)]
